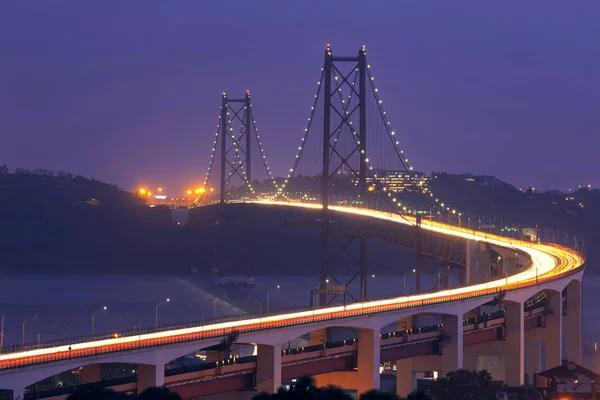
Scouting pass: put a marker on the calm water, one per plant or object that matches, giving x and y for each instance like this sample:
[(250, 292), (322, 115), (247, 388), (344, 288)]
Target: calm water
[(63, 302)]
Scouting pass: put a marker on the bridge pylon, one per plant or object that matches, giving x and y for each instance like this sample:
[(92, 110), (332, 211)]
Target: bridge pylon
[(337, 121), (235, 151)]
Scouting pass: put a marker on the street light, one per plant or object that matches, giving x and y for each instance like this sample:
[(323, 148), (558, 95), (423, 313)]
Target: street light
[(439, 277), (66, 326), (158, 305), (552, 232), (259, 304), (94, 320), (24, 322), (318, 287), (405, 275), (564, 233), (269, 296)]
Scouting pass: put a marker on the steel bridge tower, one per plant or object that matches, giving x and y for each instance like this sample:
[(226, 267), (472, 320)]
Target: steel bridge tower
[(235, 151), (336, 159)]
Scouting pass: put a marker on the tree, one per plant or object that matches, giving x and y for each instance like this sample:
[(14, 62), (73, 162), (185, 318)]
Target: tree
[(158, 393), (418, 395), (305, 389), (463, 384), (377, 395), (93, 392)]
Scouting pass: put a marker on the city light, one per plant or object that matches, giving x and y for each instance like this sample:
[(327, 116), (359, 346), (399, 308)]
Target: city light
[(142, 191), (189, 191), (160, 189)]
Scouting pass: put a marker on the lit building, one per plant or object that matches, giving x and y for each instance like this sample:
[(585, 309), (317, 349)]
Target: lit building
[(399, 181), (568, 381)]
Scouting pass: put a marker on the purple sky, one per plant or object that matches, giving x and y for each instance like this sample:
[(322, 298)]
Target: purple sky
[(129, 91)]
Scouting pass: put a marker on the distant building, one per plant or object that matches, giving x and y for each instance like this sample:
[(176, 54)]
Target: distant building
[(567, 381), (399, 181), (3, 170)]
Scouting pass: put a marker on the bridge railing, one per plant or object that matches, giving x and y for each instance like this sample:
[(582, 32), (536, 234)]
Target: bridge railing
[(206, 329), (502, 227)]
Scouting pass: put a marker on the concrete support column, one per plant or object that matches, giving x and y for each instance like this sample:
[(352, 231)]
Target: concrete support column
[(268, 368), (452, 350), (572, 323), (150, 376), (515, 344), (533, 359), (552, 333), (90, 374), (406, 380), (318, 337), (369, 353), (407, 369), (478, 260), (406, 323)]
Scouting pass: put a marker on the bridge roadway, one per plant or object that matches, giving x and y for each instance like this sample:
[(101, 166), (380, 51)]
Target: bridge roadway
[(551, 268), (240, 373)]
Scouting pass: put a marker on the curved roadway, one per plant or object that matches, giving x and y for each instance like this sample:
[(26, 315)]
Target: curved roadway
[(548, 262)]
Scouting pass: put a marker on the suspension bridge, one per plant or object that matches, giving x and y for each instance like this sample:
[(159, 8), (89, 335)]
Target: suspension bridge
[(337, 183)]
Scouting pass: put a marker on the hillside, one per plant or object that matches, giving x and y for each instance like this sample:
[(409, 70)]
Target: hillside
[(61, 223), (65, 224)]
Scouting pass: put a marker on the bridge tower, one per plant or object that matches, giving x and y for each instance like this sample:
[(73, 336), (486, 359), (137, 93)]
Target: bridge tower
[(235, 151), (232, 152), (338, 118)]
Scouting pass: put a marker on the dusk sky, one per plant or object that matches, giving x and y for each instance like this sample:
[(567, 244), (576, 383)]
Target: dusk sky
[(128, 92)]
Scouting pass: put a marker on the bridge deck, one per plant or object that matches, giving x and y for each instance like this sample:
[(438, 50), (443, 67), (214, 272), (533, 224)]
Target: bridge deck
[(548, 264)]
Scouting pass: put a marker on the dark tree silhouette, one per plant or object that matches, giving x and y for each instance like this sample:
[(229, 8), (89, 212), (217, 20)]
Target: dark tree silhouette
[(305, 389), (418, 395), (463, 384), (377, 395), (158, 393), (93, 392)]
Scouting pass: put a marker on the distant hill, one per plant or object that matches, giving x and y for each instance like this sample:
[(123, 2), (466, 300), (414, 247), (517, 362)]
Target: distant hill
[(576, 213), (63, 223), (58, 223)]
